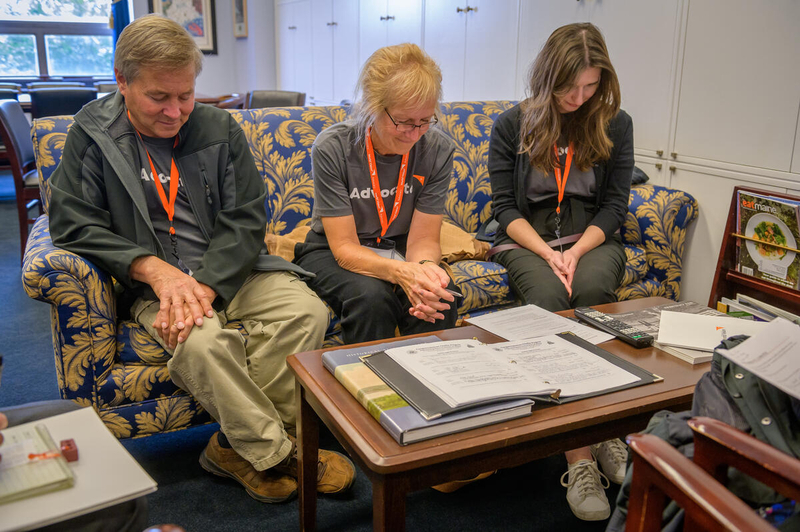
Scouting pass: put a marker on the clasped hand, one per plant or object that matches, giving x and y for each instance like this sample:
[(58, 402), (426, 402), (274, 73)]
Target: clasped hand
[(183, 302), (425, 284), (563, 265)]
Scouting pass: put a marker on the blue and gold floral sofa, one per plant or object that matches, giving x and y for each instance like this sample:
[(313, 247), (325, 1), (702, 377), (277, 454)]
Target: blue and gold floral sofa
[(114, 366)]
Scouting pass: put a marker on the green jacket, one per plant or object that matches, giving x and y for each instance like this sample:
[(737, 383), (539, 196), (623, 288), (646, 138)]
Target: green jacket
[(99, 211)]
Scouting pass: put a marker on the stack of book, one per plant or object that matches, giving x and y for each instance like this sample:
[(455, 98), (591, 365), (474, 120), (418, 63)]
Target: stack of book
[(404, 423), (702, 332), (649, 321), (421, 388), (753, 308)]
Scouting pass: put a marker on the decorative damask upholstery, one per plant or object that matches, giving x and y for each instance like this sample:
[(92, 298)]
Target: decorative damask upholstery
[(114, 366)]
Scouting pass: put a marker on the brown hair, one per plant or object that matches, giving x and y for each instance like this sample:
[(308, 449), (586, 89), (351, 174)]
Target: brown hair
[(395, 75), (569, 51), (153, 41)]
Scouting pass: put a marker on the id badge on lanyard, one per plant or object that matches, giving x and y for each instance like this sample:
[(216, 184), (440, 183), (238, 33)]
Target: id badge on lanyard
[(562, 186), (168, 204), (376, 186)]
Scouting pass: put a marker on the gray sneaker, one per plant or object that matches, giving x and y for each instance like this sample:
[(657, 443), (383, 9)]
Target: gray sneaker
[(612, 455), (585, 491)]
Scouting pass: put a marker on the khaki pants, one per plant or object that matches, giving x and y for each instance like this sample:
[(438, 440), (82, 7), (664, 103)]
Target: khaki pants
[(244, 383)]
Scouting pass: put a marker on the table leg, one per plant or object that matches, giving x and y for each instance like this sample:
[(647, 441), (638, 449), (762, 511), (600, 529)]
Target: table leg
[(388, 506), (308, 452)]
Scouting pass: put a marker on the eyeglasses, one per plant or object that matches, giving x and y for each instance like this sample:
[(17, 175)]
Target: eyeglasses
[(404, 127)]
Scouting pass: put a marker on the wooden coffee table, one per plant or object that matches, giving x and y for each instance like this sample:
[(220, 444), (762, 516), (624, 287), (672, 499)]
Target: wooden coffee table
[(396, 470)]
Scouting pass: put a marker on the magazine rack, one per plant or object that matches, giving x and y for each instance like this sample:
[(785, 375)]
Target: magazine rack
[(728, 282)]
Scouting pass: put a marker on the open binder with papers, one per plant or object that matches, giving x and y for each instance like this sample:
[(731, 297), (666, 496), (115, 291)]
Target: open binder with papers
[(446, 377)]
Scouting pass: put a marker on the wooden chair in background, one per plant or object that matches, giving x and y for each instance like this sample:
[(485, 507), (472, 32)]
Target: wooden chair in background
[(15, 132), (661, 473), (60, 101), (53, 84), (261, 99)]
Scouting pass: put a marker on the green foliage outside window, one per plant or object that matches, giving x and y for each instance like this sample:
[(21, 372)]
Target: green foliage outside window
[(79, 55), (80, 9), (18, 55)]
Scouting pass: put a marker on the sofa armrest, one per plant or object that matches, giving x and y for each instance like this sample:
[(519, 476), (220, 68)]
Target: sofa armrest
[(658, 219), (83, 315)]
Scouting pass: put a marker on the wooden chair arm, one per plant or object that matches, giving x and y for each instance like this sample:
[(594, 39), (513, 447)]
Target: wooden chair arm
[(660, 471), (718, 446)]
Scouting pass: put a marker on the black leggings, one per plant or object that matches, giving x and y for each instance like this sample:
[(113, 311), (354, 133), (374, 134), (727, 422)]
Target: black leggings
[(369, 308), (596, 278)]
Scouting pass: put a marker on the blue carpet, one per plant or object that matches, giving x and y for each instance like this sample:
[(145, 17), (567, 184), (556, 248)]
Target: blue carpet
[(527, 498)]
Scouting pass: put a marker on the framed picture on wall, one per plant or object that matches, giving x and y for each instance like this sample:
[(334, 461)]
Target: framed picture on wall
[(197, 16), (240, 18)]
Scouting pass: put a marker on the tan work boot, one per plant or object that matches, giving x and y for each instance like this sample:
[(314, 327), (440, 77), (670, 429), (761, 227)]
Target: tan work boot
[(335, 472), (266, 486)]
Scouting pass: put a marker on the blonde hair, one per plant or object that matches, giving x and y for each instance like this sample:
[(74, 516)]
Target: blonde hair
[(153, 41), (569, 51), (395, 75)]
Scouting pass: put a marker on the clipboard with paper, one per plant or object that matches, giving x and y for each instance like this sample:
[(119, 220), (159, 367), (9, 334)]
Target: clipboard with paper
[(445, 377), (31, 464)]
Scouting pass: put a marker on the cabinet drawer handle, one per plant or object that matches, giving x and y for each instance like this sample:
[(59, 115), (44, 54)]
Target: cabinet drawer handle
[(460, 10), (658, 166), (332, 24), (475, 9), (659, 152), (292, 27)]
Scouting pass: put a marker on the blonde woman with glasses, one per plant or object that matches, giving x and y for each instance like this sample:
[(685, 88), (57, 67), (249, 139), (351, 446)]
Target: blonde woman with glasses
[(380, 181), (560, 165)]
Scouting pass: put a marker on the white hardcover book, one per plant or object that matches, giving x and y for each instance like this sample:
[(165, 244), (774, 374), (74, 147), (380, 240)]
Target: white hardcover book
[(702, 332)]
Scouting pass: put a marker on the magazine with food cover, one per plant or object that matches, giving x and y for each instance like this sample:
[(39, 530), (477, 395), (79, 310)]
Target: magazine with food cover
[(770, 225)]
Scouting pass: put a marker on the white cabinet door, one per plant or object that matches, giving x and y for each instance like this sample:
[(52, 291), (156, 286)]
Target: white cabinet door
[(386, 22), (372, 27), (284, 37), (303, 58), (796, 156), (740, 83), (642, 41), (293, 33), (490, 61), (345, 49), (405, 22), (322, 50), (445, 42), (655, 169)]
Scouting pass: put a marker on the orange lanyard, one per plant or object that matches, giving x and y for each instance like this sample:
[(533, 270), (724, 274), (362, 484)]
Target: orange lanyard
[(562, 184), (376, 186), (174, 178)]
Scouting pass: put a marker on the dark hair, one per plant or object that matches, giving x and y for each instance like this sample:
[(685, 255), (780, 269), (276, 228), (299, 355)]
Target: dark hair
[(569, 51)]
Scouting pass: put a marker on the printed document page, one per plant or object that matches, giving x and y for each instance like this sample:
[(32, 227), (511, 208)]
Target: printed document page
[(772, 355), (560, 363), (530, 321), (465, 371)]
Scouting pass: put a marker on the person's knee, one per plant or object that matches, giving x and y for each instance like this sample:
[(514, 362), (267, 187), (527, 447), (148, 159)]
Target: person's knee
[(373, 300), (314, 315)]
